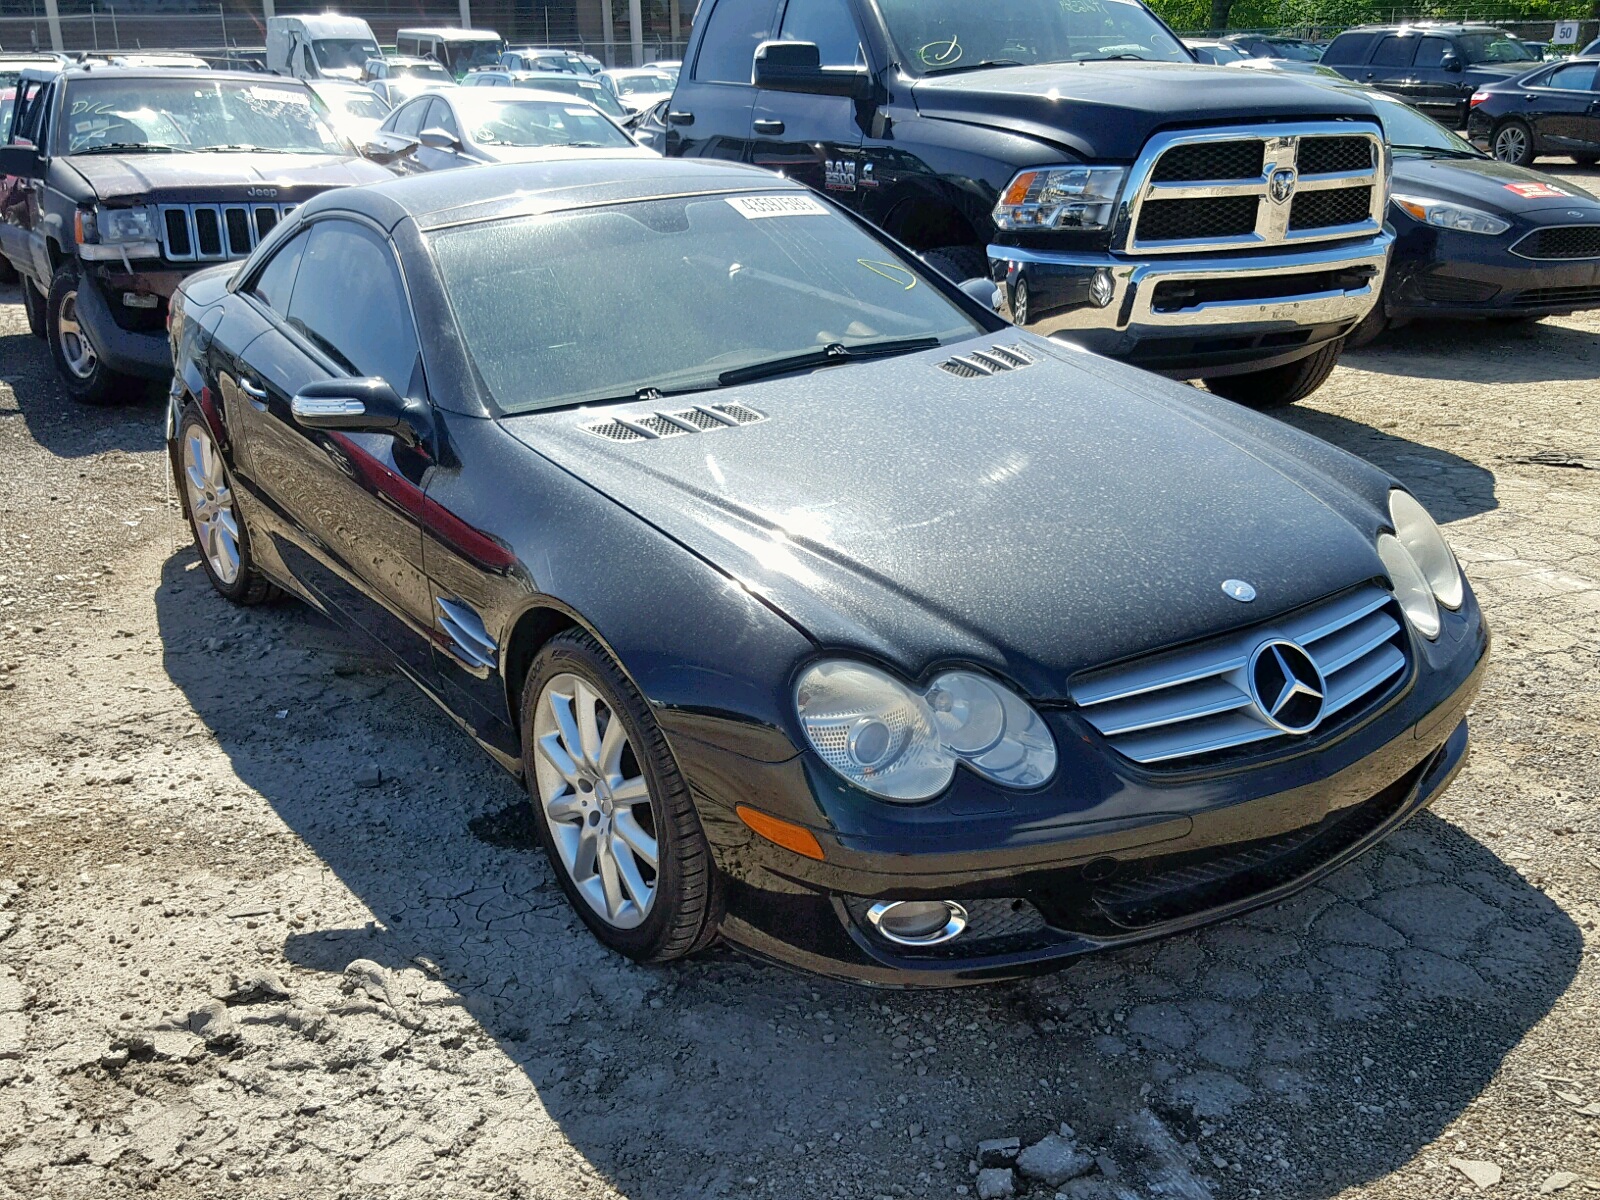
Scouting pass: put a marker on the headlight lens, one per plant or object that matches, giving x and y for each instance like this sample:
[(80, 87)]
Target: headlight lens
[(1060, 198), (901, 743), (1452, 216), (1410, 586), (110, 226), (1417, 532)]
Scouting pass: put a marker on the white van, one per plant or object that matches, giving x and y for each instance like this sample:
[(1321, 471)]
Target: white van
[(327, 46), (457, 50)]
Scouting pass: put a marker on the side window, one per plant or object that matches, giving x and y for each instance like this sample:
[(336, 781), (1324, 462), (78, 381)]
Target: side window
[(375, 337), (27, 111), (828, 23), (276, 281), (408, 121), (728, 46), (407, 46), (440, 117), (1432, 51), (1394, 52), (1578, 77), (1348, 48)]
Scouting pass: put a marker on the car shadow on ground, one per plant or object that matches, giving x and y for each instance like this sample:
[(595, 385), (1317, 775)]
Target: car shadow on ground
[(1481, 352), (66, 429), (1317, 1044), (1451, 487)]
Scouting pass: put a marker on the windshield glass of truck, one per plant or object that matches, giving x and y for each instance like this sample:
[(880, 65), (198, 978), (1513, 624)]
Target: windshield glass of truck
[(107, 113), (1492, 48), (738, 280), (964, 35), (344, 54)]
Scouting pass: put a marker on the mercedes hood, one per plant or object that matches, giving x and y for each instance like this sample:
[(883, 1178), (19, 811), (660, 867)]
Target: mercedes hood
[(1038, 521)]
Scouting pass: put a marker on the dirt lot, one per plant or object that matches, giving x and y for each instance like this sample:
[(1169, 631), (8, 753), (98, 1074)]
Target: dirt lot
[(228, 970)]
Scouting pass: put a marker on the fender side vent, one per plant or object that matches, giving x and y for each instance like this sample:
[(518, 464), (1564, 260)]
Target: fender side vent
[(652, 426), (993, 361)]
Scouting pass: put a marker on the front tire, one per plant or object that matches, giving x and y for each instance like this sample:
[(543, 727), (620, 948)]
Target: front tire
[(220, 534), (611, 810), (958, 263), (1513, 143), (1279, 386), (88, 380)]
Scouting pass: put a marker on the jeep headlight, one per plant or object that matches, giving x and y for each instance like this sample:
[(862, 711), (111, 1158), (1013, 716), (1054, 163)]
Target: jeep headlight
[(1064, 197), (115, 232), (903, 743), (1459, 217)]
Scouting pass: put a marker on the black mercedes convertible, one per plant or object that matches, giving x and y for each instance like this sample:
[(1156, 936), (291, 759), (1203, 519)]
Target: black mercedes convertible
[(818, 608)]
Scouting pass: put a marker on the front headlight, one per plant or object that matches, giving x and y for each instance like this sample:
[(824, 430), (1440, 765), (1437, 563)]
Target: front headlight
[(1060, 198), (901, 743), (1452, 216), (113, 232), (1421, 567)]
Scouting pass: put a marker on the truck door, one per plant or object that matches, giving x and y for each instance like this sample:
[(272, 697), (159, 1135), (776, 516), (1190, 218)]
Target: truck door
[(709, 116), (18, 193), (815, 139), (1390, 68), (1433, 89)]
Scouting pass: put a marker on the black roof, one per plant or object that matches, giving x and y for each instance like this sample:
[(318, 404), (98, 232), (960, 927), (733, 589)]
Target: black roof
[(485, 193)]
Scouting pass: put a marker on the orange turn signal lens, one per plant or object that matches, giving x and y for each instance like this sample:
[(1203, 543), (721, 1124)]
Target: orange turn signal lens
[(1018, 191), (1415, 209), (784, 833)]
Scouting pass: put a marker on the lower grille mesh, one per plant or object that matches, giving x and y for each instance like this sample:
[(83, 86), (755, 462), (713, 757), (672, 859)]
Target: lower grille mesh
[(1327, 209), (1562, 241)]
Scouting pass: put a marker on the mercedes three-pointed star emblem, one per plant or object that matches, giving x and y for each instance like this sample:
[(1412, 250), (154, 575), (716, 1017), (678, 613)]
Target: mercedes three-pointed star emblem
[(1287, 686)]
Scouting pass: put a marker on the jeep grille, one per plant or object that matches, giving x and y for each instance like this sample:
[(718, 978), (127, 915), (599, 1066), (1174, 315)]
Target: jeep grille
[(213, 232)]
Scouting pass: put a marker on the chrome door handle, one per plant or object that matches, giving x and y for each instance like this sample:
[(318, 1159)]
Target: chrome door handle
[(764, 126), (257, 395), (680, 118)]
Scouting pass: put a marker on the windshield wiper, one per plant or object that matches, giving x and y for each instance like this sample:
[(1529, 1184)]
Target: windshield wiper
[(133, 148), (240, 147), (1447, 151), (829, 356), (977, 66)]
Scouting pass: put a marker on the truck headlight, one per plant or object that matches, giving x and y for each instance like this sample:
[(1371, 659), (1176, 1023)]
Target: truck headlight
[(1458, 217), (903, 743), (1063, 197), (115, 232)]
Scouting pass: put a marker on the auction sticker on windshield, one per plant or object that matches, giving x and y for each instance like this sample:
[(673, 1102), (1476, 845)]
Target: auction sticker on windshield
[(754, 207)]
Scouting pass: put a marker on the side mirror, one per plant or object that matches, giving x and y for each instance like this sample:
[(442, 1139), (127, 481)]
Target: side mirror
[(362, 405), (385, 152), (20, 160), (438, 139), (1450, 62), (797, 67), (985, 291)]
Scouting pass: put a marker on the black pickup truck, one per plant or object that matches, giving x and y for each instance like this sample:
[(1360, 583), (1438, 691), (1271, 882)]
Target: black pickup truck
[(118, 182), (1197, 221)]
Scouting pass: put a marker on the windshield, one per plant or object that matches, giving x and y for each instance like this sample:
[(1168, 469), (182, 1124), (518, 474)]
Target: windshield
[(583, 88), (1492, 48), (184, 114), (1299, 51), (738, 280), (642, 83), (358, 102), (1406, 129), (960, 35), (463, 56), (419, 71), (493, 120), (344, 54)]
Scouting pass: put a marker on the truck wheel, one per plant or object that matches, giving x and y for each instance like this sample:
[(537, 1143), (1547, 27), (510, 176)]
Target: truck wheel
[(1513, 143), (958, 263), (88, 380), (33, 306), (1278, 386)]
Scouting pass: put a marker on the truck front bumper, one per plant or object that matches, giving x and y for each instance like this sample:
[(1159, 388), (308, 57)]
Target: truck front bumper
[(1194, 317)]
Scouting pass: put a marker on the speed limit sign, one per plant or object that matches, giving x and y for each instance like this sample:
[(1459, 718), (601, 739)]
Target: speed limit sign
[(1566, 33)]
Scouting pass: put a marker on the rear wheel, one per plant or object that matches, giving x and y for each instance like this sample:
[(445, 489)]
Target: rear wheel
[(611, 810), (1513, 143), (87, 378), (33, 306), (1278, 386), (958, 263)]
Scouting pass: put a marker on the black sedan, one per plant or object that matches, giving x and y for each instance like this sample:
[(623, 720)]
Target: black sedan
[(1550, 111), (820, 609), (1477, 238)]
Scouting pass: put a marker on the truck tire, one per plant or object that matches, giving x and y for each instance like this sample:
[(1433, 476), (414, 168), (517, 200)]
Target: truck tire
[(87, 379), (33, 306), (1279, 386), (958, 263)]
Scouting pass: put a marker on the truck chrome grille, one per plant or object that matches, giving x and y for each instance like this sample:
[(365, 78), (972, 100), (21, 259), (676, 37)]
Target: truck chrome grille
[(215, 232), (1234, 189), (1194, 702)]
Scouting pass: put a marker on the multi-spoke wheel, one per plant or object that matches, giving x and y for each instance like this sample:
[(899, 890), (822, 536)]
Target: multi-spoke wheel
[(613, 812), (219, 531), (78, 361), (1513, 143)]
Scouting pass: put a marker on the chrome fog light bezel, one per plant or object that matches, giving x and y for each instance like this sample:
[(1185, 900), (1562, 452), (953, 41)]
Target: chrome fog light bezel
[(955, 924)]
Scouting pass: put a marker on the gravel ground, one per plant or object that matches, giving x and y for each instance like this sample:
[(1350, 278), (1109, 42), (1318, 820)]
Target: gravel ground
[(228, 970)]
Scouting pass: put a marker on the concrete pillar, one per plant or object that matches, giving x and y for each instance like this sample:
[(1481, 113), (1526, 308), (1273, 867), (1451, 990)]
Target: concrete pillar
[(608, 22), (676, 10), (466, 14), (635, 31), (267, 9), (53, 15)]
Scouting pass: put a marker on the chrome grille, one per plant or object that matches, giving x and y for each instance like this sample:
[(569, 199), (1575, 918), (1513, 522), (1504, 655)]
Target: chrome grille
[(214, 232), (1198, 701), (652, 426), (1561, 241), (1213, 189), (979, 363)]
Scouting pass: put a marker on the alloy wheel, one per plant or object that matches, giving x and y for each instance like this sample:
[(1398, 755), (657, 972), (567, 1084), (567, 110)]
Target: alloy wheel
[(216, 526), (595, 801), (1510, 144), (76, 349)]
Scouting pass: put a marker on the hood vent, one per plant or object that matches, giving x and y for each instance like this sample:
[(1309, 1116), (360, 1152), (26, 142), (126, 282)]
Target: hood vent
[(645, 427), (988, 362)]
